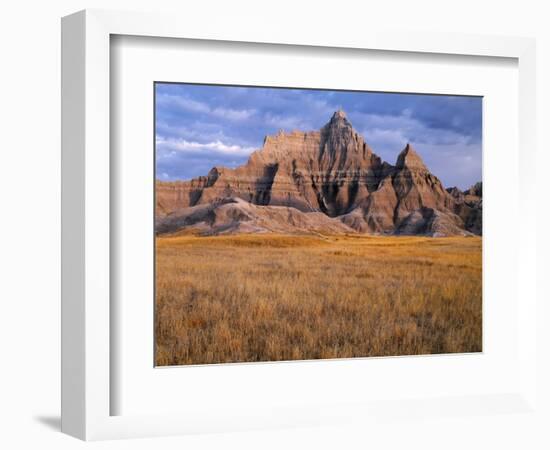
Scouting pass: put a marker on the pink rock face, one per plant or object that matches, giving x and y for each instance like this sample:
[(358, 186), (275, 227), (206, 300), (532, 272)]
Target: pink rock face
[(411, 160), (416, 187), (332, 171)]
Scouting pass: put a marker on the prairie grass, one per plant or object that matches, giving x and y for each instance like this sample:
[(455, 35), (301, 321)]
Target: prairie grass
[(271, 297)]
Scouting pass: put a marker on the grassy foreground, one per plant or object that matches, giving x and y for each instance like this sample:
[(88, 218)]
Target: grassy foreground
[(271, 298)]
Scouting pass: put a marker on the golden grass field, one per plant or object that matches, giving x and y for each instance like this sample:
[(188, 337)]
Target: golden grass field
[(271, 297)]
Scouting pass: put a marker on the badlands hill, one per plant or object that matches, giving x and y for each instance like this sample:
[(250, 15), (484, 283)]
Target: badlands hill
[(326, 181)]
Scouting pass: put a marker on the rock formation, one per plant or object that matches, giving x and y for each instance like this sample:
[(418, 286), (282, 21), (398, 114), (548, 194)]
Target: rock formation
[(235, 215), (469, 206), (324, 181)]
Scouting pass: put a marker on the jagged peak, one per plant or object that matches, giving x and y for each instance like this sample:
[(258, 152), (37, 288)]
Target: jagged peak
[(476, 189), (339, 118), (339, 114), (410, 159)]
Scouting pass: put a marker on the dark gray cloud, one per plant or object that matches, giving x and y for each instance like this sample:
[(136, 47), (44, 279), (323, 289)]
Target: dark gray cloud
[(198, 126)]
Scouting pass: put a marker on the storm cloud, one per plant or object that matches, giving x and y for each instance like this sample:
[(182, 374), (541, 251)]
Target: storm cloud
[(199, 126)]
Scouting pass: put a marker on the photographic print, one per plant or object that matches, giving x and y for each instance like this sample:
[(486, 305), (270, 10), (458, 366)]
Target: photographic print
[(299, 224)]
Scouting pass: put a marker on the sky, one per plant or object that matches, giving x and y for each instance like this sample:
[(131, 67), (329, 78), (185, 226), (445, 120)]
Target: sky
[(201, 126)]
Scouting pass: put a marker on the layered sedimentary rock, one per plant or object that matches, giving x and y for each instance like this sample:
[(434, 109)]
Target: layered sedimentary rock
[(469, 206), (332, 173), (430, 222), (327, 170), (235, 215)]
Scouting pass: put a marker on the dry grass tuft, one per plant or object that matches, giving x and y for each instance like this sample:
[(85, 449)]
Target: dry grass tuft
[(273, 297)]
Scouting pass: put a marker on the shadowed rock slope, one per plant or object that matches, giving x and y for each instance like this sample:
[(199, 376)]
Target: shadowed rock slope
[(326, 181)]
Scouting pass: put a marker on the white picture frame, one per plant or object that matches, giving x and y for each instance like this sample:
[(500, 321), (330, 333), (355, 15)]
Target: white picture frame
[(86, 222)]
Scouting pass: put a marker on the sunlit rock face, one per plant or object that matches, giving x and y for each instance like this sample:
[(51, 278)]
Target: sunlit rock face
[(332, 171)]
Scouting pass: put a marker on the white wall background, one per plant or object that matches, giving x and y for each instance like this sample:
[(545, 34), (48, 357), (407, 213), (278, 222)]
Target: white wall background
[(30, 196)]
